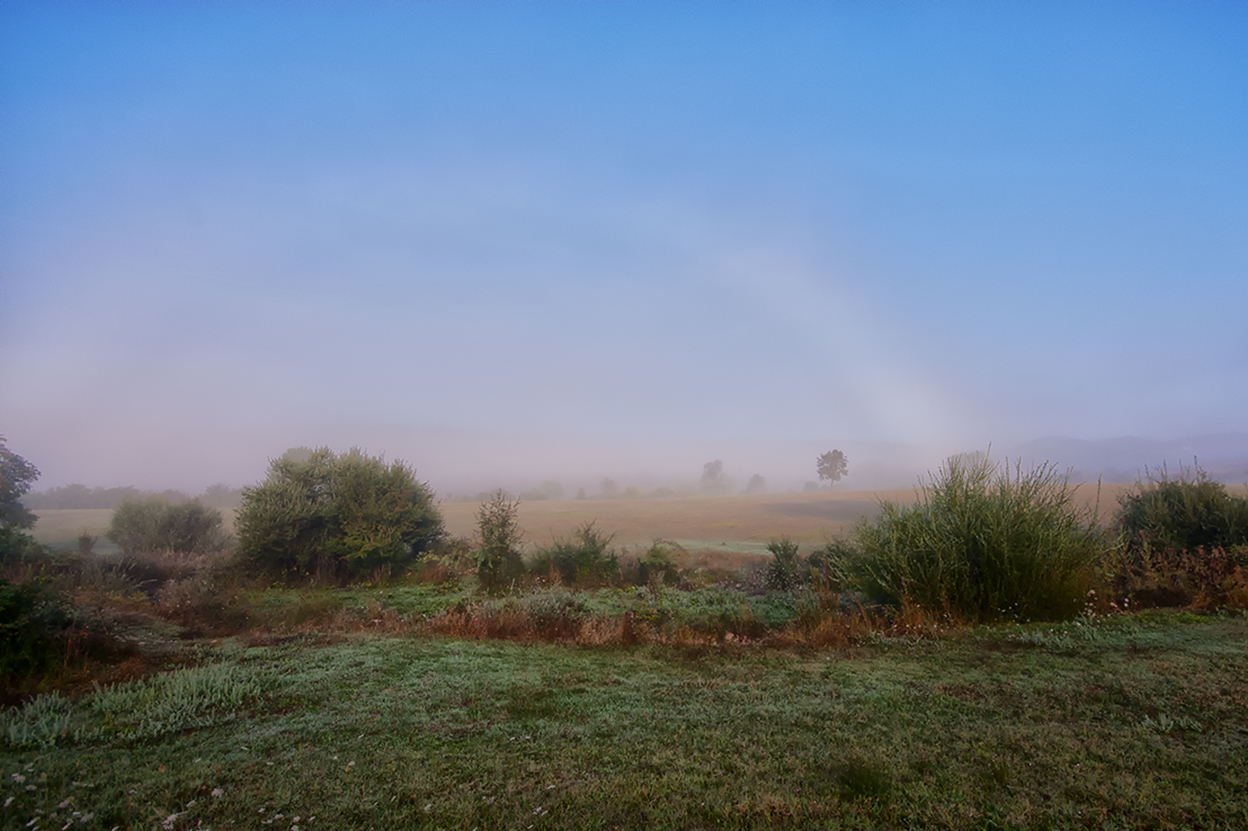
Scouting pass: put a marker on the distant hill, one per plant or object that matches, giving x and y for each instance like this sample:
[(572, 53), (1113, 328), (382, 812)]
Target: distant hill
[(1223, 456)]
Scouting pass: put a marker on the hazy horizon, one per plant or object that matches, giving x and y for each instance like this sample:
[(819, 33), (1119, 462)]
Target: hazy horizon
[(554, 241)]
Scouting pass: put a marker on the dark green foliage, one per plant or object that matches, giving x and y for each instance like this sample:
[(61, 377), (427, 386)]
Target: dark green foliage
[(152, 524), (499, 557), (583, 559), (982, 543), (336, 516), (31, 617), (784, 572), (17, 548), (1183, 514), (16, 477)]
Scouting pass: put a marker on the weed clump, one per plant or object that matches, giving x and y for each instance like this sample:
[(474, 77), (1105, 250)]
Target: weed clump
[(584, 559), (984, 542)]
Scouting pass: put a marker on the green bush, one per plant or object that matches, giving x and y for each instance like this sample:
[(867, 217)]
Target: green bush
[(145, 526), (335, 517), (1182, 514), (499, 558), (583, 559), (982, 543)]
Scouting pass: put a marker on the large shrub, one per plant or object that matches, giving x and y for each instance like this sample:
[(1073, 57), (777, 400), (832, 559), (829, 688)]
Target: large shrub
[(982, 543), (336, 516), (145, 526)]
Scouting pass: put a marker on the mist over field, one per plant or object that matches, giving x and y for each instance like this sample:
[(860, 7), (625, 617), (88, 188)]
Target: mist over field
[(562, 242)]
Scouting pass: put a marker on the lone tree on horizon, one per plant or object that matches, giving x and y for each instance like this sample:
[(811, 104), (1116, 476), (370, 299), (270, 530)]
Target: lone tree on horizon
[(832, 465)]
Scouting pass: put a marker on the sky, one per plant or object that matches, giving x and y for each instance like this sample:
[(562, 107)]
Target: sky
[(510, 242)]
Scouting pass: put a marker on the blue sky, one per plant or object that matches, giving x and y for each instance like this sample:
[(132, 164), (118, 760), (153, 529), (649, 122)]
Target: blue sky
[(511, 242)]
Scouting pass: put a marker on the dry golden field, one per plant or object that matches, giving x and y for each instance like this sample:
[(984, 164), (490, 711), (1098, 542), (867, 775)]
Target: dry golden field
[(742, 524), (733, 523)]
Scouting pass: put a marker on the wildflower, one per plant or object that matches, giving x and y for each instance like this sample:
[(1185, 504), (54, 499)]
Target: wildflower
[(217, 793), (18, 778)]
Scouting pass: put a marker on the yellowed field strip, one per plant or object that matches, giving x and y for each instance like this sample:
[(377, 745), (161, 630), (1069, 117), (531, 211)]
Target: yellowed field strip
[(736, 523), (743, 523)]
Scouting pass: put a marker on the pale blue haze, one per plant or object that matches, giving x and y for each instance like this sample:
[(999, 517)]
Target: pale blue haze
[(517, 241)]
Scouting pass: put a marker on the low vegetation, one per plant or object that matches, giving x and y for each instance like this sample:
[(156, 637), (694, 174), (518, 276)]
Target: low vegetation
[(983, 658)]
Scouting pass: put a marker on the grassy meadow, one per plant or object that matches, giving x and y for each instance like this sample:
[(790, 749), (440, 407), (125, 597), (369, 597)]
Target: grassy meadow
[(1127, 722)]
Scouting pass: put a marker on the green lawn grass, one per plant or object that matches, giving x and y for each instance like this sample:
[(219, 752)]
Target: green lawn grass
[(1120, 722)]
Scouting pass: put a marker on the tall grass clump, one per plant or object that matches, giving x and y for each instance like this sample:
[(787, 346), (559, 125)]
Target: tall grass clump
[(984, 542)]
